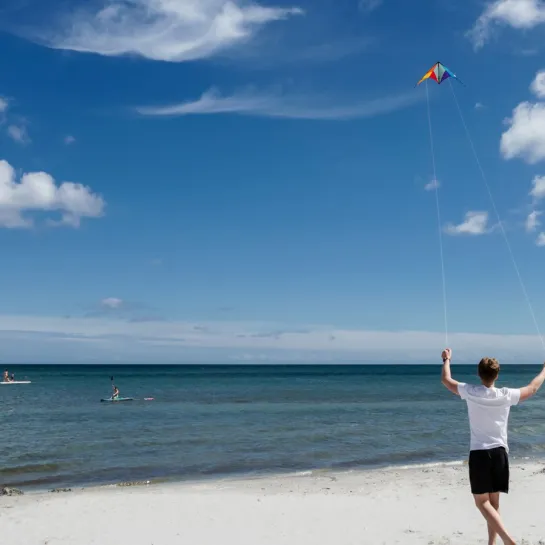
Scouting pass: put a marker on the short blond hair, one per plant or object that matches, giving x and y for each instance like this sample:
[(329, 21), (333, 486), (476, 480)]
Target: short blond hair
[(489, 369)]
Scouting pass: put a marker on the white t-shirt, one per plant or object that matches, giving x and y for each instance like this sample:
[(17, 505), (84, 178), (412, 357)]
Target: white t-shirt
[(488, 410)]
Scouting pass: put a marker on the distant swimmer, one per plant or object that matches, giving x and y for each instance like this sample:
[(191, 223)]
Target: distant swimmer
[(488, 409)]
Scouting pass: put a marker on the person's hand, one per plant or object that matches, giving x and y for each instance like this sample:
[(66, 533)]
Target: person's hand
[(446, 354)]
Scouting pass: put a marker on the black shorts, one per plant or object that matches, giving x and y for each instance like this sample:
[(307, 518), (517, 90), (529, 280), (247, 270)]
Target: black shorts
[(489, 471)]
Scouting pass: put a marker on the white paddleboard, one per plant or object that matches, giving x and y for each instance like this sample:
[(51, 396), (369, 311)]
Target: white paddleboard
[(17, 382)]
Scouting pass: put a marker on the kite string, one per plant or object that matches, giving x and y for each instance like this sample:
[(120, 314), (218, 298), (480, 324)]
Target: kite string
[(436, 189), (500, 223)]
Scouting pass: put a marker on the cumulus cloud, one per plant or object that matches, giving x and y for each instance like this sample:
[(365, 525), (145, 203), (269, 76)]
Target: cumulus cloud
[(172, 340), (538, 85), (475, 223), (37, 191), (518, 14), (525, 137), (19, 134), (538, 187), (277, 105), (532, 221), (164, 30)]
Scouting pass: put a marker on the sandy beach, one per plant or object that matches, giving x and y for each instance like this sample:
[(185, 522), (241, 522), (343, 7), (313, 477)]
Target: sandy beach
[(430, 505)]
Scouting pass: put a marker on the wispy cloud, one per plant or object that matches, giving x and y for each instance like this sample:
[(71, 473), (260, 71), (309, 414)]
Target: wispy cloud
[(475, 223), (532, 221), (171, 341), (4, 104), (112, 303), (479, 106), (116, 308), (367, 6), (164, 30), (37, 191), (277, 105), (434, 184), (19, 134), (541, 239), (69, 140), (518, 14)]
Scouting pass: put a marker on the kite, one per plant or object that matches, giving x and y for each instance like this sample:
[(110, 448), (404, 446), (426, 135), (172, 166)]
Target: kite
[(438, 72)]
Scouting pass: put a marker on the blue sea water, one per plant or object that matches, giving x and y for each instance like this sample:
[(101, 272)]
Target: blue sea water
[(236, 420)]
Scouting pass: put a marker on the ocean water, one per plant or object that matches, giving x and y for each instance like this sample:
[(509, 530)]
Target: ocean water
[(209, 421)]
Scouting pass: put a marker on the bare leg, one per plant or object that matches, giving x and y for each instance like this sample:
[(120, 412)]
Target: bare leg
[(492, 518), (495, 502)]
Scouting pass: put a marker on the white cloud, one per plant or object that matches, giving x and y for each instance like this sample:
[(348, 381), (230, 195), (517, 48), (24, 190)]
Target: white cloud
[(518, 14), (532, 221), (434, 184), (541, 239), (165, 30), (538, 85), (367, 6), (479, 106), (37, 191), (475, 223), (19, 134), (276, 105), (525, 137), (538, 187), (69, 139), (174, 340), (111, 302), (3, 105)]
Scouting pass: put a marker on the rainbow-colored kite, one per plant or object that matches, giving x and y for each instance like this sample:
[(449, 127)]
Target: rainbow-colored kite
[(438, 72)]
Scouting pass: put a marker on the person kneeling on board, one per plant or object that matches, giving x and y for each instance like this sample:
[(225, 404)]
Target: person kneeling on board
[(115, 393), (488, 409)]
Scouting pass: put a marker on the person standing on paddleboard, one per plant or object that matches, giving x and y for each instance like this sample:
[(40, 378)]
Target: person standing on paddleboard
[(488, 409)]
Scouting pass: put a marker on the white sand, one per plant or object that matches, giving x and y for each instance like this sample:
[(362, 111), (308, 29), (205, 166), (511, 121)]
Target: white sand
[(429, 505)]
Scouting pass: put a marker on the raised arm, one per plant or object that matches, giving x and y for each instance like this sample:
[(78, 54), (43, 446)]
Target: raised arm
[(446, 377), (532, 388)]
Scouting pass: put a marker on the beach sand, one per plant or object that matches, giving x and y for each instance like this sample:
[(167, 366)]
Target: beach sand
[(424, 505)]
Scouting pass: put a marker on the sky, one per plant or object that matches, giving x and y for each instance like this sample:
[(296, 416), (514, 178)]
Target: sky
[(244, 182)]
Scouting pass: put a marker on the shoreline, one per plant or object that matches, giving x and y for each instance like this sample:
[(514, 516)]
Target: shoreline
[(259, 474), (242, 476), (313, 473), (417, 505)]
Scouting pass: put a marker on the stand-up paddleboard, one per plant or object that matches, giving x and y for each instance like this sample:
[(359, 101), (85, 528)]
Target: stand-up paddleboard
[(118, 400), (17, 382)]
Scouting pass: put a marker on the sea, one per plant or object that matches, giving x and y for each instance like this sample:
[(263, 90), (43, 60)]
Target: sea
[(212, 421)]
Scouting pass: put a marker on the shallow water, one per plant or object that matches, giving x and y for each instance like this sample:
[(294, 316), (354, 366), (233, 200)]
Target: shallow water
[(225, 420)]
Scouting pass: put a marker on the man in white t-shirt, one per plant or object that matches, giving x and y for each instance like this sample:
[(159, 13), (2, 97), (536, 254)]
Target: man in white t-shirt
[(488, 409)]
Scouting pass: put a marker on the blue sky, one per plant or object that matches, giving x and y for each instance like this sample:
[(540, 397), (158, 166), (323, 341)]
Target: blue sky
[(188, 180)]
